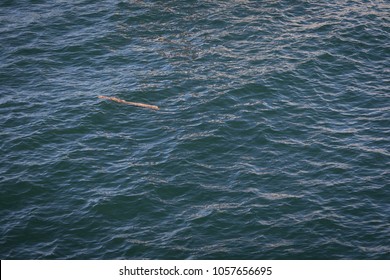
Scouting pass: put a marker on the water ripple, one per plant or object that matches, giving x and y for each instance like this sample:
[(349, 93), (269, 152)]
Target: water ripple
[(272, 141)]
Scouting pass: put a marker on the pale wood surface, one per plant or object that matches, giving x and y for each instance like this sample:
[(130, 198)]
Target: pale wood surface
[(129, 103)]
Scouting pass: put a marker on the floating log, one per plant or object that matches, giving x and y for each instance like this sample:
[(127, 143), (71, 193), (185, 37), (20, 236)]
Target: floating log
[(129, 103)]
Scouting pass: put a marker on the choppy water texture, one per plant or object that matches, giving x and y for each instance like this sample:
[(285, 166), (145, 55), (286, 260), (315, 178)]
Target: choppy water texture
[(272, 141)]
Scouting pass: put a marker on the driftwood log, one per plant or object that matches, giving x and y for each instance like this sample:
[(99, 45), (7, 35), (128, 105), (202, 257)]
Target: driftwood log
[(129, 103)]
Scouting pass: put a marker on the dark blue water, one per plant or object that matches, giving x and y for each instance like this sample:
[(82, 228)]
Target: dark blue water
[(272, 140)]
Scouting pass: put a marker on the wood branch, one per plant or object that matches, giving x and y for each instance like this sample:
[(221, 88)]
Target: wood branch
[(129, 103)]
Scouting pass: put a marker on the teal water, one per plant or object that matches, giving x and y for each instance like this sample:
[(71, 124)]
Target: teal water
[(272, 140)]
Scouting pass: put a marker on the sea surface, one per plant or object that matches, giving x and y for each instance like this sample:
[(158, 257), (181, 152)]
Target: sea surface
[(272, 140)]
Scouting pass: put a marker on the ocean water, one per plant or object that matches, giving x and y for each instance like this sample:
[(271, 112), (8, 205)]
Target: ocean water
[(272, 140)]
